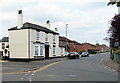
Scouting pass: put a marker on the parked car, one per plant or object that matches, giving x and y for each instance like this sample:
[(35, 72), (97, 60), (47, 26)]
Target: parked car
[(66, 54), (84, 54), (73, 55)]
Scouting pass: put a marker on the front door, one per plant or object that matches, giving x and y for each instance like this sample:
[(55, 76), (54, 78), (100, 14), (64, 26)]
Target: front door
[(46, 52)]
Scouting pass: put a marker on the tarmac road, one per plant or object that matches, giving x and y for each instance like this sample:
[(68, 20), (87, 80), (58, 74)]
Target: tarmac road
[(83, 69)]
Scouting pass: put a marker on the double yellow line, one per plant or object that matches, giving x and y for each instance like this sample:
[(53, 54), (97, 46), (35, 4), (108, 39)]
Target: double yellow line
[(39, 69)]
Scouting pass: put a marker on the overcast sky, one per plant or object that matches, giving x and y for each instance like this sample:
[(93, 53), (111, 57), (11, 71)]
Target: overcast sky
[(88, 20)]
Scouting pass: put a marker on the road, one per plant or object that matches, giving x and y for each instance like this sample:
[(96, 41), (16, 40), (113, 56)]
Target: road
[(83, 69)]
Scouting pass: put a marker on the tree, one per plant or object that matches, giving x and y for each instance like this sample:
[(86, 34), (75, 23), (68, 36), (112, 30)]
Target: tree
[(113, 3), (114, 31)]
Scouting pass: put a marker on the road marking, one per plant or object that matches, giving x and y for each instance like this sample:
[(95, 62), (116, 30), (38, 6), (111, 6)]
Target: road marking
[(72, 75), (38, 69), (22, 78), (108, 68)]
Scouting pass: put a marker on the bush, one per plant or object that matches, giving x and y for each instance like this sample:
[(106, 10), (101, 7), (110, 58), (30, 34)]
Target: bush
[(91, 51), (117, 52), (114, 51)]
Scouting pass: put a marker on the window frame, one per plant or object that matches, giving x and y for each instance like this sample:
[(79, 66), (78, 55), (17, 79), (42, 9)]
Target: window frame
[(54, 53), (54, 38), (37, 35), (41, 50), (46, 37), (35, 50)]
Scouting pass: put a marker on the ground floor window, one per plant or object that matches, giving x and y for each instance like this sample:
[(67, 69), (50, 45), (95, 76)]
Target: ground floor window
[(38, 50), (41, 50)]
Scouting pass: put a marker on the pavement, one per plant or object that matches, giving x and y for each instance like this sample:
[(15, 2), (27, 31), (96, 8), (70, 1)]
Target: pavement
[(3, 60), (110, 63), (13, 67)]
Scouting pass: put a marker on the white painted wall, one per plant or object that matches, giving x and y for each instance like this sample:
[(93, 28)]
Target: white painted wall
[(18, 43), (50, 38), (42, 36)]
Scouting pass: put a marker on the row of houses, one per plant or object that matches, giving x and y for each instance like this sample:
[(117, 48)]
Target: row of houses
[(32, 41), (78, 47)]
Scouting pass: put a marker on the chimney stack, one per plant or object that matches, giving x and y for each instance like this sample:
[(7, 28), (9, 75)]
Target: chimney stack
[(48, 24), (19, 19), (56, 30)]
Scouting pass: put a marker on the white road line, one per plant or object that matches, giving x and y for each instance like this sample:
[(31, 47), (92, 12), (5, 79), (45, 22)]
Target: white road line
[(30, 77), (112, 70), (22, 78)]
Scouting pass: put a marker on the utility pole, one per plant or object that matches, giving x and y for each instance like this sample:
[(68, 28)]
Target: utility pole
[(66, 38)]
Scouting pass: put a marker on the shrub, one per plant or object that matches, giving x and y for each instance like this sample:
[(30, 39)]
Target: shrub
[(91, 51), (117, 52)]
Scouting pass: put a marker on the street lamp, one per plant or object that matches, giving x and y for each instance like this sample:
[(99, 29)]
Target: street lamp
[(66, 38)]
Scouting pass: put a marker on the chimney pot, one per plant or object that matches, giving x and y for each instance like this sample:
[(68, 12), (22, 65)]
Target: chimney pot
[(56, 30), (48, 24), (20, 12)]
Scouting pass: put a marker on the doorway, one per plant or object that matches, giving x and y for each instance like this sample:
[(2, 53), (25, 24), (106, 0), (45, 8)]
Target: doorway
[(46, 51)]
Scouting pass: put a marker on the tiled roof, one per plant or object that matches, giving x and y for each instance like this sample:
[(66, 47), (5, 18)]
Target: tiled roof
[(28, 25), (5, 39), (68, 40)]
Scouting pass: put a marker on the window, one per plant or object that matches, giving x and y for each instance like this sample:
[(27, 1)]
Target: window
[(53, 50), (46, 37), (41, 50), (53, 38), (36, 51), (37, 36), (61, 50)]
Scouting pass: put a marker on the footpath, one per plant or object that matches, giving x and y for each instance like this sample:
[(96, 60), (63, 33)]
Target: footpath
[(108, 62), (11, 67)]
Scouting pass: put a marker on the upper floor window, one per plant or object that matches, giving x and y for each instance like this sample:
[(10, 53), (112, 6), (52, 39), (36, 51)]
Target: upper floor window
[(53, 38), (61, 50), (37, 35), (46, 37), (53, 50)]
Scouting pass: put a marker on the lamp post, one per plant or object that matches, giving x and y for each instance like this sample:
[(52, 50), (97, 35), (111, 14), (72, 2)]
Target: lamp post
[(66, 38)]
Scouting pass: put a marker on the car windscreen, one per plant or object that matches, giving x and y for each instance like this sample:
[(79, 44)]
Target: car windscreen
[(84, 53), (73, 53)]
